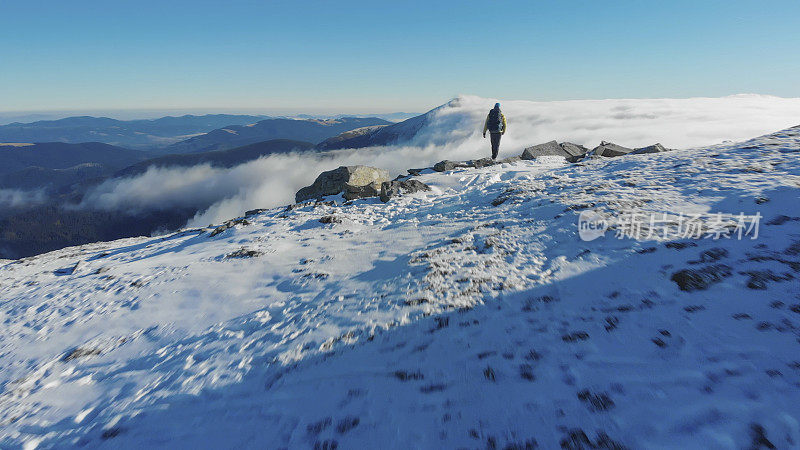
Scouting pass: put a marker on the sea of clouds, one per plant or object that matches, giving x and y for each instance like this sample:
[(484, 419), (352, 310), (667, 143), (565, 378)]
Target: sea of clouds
[(453, 131)]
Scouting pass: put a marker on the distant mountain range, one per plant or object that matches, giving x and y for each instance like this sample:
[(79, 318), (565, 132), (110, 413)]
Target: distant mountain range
[(54, 165), (370, 136), (59, 155), (156, 134), (34, 177), (392, 117), (308, 130), (220, 158), (139, 134)]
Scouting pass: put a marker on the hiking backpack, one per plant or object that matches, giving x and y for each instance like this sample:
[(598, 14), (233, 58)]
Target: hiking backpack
[(495, 121)]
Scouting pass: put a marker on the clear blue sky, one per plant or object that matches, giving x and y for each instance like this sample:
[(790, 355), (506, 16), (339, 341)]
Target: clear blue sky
[(380, 56)]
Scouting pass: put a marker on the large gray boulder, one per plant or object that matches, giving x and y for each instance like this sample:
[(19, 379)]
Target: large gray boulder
[(655, 148), (609, 149), (481, 163), (391, 189), (574, 150), (353, 180), (566, 149), (547, 149), (509, 160), (446, 165)]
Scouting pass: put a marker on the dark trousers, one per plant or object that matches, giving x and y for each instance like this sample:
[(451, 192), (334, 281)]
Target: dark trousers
[(495, 144)]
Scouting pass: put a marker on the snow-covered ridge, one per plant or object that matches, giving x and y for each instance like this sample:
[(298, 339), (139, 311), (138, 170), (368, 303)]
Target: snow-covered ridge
[(467, 316)]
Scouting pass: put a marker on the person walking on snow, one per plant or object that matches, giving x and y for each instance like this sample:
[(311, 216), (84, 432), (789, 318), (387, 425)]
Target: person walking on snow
[(496, 125)]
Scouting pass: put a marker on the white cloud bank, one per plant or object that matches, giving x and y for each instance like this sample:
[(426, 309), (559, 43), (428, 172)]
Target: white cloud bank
[(453, 131), (12, 198)]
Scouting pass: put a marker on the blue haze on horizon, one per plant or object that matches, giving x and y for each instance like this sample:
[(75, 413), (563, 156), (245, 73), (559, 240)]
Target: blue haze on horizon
[(357, 56)]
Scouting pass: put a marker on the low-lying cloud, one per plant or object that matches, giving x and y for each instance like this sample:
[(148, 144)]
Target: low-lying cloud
[(14, 198), (453, 132)]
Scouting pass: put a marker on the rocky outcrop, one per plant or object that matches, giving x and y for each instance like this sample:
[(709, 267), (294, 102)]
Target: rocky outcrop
[(483, 162), (69, 270), (352, 192), (574, 150), (700, 279), (395, 188), (244, 253), (354, 181), (566, 149), (510, 159), (610, 149), (253, 212), (228, 225), (547, 149), (330, 219), (447, 165), (655, 148)]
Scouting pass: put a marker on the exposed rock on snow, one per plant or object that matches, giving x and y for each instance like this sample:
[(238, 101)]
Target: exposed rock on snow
[(244, 253), (369, 190), (610, 149), (67, 270), (578, 440), (447, 165), (253, 212), (567, 150), (574, 150), (547, 149), (700, 279), (228, 225), (655, 148), (509, 160), (80, 353), (356, 180), (391, 189), (481, 163), (330, 219)]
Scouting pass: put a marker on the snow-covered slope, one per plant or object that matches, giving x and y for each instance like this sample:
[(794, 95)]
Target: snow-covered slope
[(469, 316)]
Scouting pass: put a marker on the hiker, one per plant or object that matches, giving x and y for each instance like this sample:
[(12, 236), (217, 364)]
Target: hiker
[(496, 125)]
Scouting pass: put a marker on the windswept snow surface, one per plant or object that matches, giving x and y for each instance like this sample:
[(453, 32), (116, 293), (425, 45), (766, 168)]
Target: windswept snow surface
[(466, 317)]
